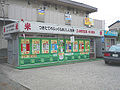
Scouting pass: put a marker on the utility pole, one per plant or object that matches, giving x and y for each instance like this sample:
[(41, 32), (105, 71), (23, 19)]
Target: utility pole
[(3, 4)]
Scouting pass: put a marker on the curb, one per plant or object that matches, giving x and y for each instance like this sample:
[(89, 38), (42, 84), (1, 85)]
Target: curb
[(57, 63)]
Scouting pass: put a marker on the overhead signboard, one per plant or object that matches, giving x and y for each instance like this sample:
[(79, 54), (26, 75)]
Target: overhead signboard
[(110, 33), (37, 27)]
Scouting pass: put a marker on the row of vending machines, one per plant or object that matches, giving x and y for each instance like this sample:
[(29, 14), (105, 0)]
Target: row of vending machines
[(44, 50)]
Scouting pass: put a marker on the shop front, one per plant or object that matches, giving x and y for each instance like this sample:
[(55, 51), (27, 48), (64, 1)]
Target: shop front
[(35, 43), (110, 38)]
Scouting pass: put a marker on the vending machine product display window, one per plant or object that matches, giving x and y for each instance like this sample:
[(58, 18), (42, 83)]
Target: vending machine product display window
[(35, 46), (87, 46), (45, 46), (68, 46), (75, 46), (53, 46), (44, 50), (81, 45), (25, 46)]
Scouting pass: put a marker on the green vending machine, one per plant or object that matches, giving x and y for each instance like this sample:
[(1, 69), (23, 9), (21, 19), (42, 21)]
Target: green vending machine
[(60, 49), (54, 50), (68, 50), (87, 48)]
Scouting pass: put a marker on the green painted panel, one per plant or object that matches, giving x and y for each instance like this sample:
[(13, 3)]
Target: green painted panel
[(46, 50)]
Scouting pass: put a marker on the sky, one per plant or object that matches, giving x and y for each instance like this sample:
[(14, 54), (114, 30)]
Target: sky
[(108, 10)]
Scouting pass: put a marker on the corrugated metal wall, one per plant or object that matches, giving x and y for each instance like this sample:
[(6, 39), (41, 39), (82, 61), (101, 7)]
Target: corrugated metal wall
[(13, 50), (18, 12), (5, 10), (99, 47), (56, 16)]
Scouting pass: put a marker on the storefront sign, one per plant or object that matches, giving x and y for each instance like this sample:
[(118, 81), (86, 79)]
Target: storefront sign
[(10, 28), (37, 27), (110, 33)]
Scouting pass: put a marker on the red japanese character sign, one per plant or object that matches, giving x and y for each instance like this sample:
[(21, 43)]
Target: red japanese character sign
[(27, 26)]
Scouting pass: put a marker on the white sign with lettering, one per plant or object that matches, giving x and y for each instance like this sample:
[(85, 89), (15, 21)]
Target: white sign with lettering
[(37, 27)]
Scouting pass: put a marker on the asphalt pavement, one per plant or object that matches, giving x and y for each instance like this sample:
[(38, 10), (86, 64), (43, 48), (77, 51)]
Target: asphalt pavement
[(8, 84), (93, 75)]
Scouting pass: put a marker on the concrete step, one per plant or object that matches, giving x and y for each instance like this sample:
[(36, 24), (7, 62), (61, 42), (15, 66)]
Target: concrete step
[(3, 52), (3, 59)]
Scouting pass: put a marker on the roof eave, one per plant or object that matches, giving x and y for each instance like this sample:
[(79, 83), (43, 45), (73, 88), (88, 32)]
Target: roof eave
[(89, 9), (114, 23)]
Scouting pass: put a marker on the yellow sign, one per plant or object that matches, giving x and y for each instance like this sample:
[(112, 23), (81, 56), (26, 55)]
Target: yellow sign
[(41, 12), (89, 22)]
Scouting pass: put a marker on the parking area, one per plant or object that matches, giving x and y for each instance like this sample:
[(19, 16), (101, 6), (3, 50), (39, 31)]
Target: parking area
[(93, 75)]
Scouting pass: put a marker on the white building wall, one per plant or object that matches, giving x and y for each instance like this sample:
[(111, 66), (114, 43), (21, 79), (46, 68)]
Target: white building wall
[(99, 24), (115, 27)]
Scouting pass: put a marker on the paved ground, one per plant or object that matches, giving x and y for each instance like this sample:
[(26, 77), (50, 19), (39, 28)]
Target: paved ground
[(7, 84), (80, 76)]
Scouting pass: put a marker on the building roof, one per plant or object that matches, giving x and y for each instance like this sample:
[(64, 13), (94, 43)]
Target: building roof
[(75, 4), (79, 4), (118, 21)]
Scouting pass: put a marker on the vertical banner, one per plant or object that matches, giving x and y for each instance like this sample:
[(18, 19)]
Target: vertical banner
[(108, 44), (41, 12), (75, 46), (68, 19), (81, 45), (87, 46), (68, 46), (35, 46), (41, 15), (45, 46), (53, 46), (25, 46)]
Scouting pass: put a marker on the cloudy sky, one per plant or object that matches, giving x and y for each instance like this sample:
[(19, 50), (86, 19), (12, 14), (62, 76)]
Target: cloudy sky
[(108, 10)]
